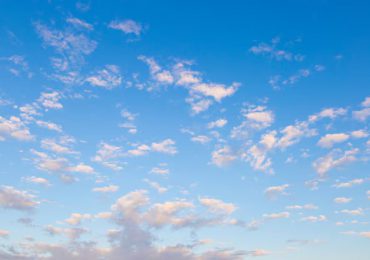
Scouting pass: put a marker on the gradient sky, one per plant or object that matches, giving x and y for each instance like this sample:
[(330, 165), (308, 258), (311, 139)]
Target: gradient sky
[(202, 130)]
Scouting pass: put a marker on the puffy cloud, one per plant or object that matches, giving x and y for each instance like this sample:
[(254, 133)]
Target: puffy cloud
[(274, 191), (293, 133), (76, 218), (37, 180), (129, 205), (219, 123), (167, 213), (334, 159), (15, 128), (127, 26), (139, 150), (259, 117), (256, 155), (359, 134), (255, 118), (81, 168), (52, 145), (166, 146), (106, 189), (11, 198), (217, 206), (107, 78), (58, 164), (330, 113), (107, 154), (50, 100), (217, 91), (223, 156), (364, 113), (329, 140), (202, 94)]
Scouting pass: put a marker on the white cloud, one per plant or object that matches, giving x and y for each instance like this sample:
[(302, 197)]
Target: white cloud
[(81, 168), (217, 91), (14, 127), (217, 206), (108, 78), (334, 159), (127, 26), (329, 140), (107, 154), (129, 205), (300, 207), (330, 113), (202, 94), (49, 125), (342, 200), (223, 156), (76, 218), (167, 213), (156, 186), (273, 52), (256, 155), (349, 184), (166, 146), (353, 212), (364, 113), (201, 139), (71, 47), (37, 180), (105, 189), (11, 198), (219, 123), (52, 145), (255, 118), (50, 100), (160, 171), (278, 215), (293, 133), (359, 134), (320, 218), (274, 191), (79, 24)]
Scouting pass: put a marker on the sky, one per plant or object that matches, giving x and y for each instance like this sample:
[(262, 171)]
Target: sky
[(201, 130)]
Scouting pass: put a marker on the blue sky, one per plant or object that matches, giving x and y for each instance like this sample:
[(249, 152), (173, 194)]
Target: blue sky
[(184, 130)]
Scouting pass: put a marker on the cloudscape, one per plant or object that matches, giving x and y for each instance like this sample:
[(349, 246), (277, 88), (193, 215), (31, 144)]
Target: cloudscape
[(184, 130)]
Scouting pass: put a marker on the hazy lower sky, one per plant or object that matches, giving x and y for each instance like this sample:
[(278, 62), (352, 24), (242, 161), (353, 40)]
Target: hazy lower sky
[(207, 130)]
